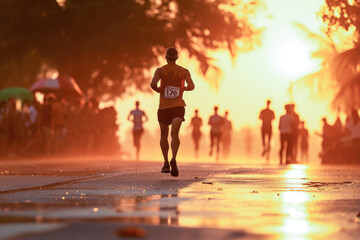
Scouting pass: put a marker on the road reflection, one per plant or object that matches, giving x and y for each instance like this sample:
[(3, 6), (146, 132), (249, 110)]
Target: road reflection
[(296, 223), (276, 205), (153, 209)]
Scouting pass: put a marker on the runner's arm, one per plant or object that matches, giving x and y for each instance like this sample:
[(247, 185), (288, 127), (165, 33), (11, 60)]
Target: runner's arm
[(128, 118), (190, 84), (155, 80), (146, 117)]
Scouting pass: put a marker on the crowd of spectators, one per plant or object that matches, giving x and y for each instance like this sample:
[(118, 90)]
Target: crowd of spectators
[(341, 142), (58, 126)]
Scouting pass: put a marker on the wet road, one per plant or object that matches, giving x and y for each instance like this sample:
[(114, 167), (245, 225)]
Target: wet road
[(105, 199)]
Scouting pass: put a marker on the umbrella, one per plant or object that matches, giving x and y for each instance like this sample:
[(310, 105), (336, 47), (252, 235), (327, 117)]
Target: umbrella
[(60, 86), (16, 92)]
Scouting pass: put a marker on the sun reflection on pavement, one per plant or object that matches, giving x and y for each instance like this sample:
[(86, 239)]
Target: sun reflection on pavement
[(297, 223), (281, 212)]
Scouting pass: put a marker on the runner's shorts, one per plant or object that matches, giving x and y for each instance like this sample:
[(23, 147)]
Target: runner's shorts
[(266, 129), (166, 115)]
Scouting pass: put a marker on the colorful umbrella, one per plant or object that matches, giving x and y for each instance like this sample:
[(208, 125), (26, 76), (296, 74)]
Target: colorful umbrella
[(61, 86), (17, 93)]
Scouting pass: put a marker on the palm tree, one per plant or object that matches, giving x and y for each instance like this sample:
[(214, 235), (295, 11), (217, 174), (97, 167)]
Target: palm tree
[(339, 73)]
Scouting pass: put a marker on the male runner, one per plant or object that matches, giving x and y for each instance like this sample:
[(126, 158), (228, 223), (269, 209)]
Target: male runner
[(196, 123), (216, 122), (138, 129), (267, 116), (296, 119), (286, 128), (171, 111)]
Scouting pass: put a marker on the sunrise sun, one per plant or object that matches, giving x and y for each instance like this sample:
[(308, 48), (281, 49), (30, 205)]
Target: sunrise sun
[(293, 59)]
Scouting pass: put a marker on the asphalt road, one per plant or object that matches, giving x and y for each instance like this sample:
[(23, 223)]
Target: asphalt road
[(109, 199)]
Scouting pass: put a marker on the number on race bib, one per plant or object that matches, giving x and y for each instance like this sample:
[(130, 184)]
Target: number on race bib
[(171, 92)]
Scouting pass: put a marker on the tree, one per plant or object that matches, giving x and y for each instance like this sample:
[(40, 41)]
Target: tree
[(345, 65), (110, 45)]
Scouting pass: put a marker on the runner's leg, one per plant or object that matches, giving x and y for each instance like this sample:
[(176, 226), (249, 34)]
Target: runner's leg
[(218, 141), (263, 133), (139, 144), (196, 138), (269, 140), (136, 143), (211, 143), (164, 144), (281, 147), (268, 146), (289, 148), (175, 141)]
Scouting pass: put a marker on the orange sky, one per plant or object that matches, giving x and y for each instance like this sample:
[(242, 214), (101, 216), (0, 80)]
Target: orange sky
[(255, 76)]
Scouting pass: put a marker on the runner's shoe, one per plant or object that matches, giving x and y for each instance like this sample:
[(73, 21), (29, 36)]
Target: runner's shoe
[(166, 168), (174, 169)]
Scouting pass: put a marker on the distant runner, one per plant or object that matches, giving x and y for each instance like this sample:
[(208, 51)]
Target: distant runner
[(266, 116), (216, 122), (286, 127), (226, 135), (137, 119), (304, 142), (296, 123), (171, 111), (196, 123)]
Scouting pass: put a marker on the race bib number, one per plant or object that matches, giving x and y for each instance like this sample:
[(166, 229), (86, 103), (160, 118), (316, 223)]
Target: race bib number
[(172, 92)]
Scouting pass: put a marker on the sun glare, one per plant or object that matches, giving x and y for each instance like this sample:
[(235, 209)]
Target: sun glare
[(293, 59)]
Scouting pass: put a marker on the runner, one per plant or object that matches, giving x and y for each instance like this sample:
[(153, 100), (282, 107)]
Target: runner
[(171, 111), (216, 122), (296, 120), (304, 142), (137, 119), (196, 123), (267, 116), (226, 135), (286, 127)]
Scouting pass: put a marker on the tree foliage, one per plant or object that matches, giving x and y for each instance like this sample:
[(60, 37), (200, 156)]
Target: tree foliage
[(110, 45), (345, 65)]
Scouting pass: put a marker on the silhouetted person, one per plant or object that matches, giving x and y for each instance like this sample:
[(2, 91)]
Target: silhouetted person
[(58, 120), (267, 116), (226, 135), (196, 123), (11, 120), (45, 120), (286, 134), (304, 142), (171, 111), (216, 122), (353, 129), (138, 118), (326, 135), (296, 123)]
